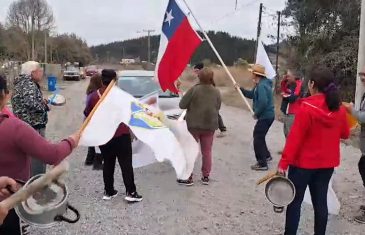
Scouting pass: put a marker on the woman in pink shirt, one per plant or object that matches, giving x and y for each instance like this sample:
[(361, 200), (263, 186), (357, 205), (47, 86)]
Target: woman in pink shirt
[(19, 141), (7, 111)]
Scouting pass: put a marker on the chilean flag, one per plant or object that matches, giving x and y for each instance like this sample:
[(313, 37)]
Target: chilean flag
[(177, 44)]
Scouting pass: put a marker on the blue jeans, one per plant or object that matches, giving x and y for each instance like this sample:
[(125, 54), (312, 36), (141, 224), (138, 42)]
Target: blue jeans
[(317, 180), (38, 166)]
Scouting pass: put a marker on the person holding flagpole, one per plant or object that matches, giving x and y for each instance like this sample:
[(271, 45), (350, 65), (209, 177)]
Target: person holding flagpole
[(119, 147), (197, 68), (19, 141), (202, 103), (264, 113)]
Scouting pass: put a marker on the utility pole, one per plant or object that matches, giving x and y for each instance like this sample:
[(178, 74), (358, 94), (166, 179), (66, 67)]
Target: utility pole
[(149, 31), (361, 57), (258, 28), (33, 39), (278, 44)]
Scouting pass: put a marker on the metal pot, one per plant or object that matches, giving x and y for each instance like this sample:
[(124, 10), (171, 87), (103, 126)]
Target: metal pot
[(47, 207), (280, 191)]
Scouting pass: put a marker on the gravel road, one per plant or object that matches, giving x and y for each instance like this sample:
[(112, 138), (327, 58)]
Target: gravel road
[(231, 204)]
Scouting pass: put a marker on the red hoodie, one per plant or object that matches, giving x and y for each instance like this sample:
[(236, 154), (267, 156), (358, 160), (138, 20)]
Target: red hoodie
[(314, 139), (292, 102)]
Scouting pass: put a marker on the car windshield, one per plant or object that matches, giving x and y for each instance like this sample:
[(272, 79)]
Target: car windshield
[(71, 69), (139, 86)]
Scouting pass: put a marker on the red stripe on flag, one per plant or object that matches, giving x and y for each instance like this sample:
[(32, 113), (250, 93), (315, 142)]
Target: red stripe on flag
[(178, 52)]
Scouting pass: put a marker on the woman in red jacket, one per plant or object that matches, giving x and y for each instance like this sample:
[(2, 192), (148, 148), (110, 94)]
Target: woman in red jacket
[(312, 150)]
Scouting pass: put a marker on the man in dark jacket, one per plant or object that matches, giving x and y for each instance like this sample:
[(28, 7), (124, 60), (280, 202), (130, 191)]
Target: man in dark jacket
[(29, 105), (263, 107), (291, 87)]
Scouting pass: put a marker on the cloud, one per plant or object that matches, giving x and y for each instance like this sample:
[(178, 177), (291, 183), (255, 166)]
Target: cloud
[(113, 20)]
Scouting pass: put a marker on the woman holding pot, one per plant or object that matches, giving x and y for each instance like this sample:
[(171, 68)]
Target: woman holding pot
[(312, 150), (6, 183), (18, 141)]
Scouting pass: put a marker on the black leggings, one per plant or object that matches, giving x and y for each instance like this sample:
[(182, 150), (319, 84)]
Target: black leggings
[(121, 148), (317, 180)]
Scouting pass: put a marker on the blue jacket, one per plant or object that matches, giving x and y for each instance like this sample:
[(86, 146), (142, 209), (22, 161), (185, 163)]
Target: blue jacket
[(262, 96)]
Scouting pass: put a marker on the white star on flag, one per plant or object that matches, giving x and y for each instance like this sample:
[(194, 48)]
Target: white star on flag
[(169, 17)]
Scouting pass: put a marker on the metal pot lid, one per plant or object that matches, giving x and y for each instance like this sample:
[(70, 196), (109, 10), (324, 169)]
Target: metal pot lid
[(45, 200), (280, 191)]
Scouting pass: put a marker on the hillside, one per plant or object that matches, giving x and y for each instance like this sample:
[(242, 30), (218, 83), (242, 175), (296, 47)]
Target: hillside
[(230, 47)]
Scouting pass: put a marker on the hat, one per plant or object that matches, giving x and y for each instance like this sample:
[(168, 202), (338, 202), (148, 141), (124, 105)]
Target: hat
[(257, 69), (107, 75)]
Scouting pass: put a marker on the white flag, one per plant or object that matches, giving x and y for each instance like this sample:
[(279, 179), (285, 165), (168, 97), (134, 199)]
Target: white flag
[(333, 203), (142, 154), (263, 59), (120, 107)]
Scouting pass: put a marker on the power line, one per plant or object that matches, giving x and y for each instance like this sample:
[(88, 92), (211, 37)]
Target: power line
[(229, 14)]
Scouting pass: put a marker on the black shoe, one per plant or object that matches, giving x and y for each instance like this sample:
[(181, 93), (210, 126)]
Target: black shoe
[(188, 182), (360, 219), (133, 197), (108, 197), (98, 162), (362, 208), (258, 167), (269, 159), (205, 180)]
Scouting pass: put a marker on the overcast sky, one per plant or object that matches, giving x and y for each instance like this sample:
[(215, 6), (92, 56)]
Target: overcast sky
[(103, 21)]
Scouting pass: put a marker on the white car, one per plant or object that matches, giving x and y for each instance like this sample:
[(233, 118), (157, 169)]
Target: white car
[(72, 73), (140, 83)]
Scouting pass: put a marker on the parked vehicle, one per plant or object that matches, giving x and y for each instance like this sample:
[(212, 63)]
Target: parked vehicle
[(140, 83), (71, 73), (91, 70)]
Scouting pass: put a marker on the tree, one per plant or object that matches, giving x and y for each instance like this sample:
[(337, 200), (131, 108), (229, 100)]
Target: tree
[(32, 17), (70, 48), (327, 34), (2, 42)]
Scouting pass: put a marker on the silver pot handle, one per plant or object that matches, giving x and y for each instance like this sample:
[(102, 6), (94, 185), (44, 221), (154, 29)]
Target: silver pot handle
[(60, 218)]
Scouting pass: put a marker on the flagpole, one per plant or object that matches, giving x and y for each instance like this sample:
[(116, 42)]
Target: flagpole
[(219, 57), (88, 118)]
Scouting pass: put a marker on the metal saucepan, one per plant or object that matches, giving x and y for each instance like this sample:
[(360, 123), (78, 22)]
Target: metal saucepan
[(280, 191), (46, 208)]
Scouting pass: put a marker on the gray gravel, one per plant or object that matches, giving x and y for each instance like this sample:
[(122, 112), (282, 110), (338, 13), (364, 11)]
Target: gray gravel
[(231, 204)]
